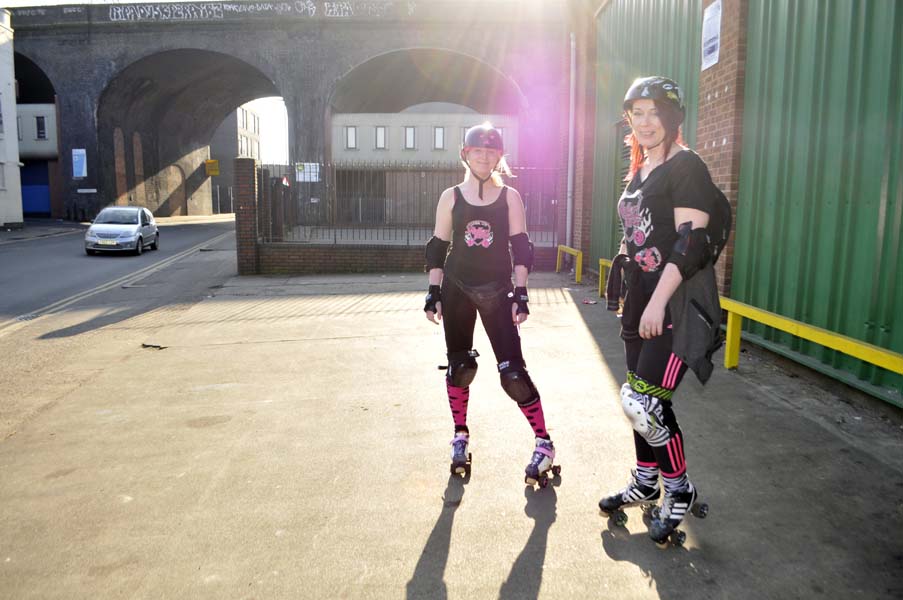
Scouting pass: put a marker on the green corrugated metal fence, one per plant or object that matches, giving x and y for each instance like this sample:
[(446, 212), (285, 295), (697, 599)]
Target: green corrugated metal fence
[(821, 180), (636, 38)]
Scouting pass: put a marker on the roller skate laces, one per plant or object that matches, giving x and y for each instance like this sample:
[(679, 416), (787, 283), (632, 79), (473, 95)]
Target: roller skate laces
[(460, 454), (537, 472), (634, 494), (669, 516)]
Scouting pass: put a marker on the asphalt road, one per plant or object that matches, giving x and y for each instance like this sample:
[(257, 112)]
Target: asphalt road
[(38, 273)]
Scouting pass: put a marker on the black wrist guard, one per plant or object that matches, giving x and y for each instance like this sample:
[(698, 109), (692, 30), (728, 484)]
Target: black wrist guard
[(519, 296), (432, 297)]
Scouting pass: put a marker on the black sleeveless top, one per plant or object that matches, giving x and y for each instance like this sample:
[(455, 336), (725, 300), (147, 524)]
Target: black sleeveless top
[(479, 250)]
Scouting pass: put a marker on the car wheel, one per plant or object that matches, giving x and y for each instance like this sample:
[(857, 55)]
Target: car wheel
[(89, 252), (139, 247), (156, 244)]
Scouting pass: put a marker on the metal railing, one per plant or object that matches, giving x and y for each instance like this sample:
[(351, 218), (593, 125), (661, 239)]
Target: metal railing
[(381, 203)]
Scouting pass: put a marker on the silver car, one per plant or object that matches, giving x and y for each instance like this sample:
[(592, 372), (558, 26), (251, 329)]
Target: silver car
[(122, 229)]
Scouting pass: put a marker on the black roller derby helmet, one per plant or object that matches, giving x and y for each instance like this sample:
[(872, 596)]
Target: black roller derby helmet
[(483, 136), (660, 89)]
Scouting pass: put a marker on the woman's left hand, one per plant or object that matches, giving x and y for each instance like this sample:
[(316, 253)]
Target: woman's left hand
[(517, 317), (652, 321)]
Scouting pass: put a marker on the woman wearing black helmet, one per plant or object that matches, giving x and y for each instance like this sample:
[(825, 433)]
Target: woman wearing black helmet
[(664, 211), (478, 219)]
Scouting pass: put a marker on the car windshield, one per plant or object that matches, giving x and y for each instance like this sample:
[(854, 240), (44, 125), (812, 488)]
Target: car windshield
[(117, 217)]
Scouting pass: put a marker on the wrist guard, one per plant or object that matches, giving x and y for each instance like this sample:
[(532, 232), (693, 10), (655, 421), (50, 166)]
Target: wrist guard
[(519, 297), (432, 297)]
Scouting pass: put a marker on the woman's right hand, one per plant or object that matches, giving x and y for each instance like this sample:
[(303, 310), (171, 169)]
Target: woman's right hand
[(435, 317)]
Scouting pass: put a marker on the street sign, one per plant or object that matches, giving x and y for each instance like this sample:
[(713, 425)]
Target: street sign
[(212, 167)]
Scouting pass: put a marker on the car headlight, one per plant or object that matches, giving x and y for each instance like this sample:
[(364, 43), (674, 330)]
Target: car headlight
[(90, 234)]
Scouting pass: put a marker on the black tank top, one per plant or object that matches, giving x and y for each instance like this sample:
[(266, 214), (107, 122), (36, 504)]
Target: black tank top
[(479, 251)]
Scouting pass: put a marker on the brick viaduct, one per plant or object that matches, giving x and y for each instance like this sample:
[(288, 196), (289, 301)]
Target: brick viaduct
[(143, 87)]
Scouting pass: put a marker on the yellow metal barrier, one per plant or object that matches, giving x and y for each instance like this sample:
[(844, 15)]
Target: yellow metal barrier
[(578, 269), (604, 264), (737, 311)]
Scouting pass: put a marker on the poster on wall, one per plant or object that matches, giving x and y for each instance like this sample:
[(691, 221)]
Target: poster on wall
[(79, 163), (711, 34)]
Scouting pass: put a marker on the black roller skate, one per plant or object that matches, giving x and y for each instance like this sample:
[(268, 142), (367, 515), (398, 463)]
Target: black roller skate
[(634, 494), (674, 508), (541, 463), (460, 454)]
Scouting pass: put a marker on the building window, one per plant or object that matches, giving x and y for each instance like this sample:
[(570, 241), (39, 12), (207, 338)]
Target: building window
[(351, 137), (410, 138), (2, 176), (41, 128), (438, 138), (19, 127), (380, 137)]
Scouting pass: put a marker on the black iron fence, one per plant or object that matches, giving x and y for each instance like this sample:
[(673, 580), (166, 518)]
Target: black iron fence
[(382, 203)]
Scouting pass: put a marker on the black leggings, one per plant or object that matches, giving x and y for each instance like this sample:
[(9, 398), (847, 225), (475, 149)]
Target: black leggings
[(652, 362), (460, 305)]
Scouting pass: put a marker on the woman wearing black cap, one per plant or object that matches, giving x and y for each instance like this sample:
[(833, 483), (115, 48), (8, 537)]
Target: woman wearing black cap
[(664, 211), (470, 265)]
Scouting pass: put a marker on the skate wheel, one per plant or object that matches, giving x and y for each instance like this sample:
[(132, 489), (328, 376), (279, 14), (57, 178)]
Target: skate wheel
[(620, 518), (556, 470), (648, 509), (544, 482), (700, 510), (678, 538), (655, 512), (467, 469)]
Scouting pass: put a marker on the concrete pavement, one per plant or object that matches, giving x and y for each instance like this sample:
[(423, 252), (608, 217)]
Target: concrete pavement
[(287, 438)]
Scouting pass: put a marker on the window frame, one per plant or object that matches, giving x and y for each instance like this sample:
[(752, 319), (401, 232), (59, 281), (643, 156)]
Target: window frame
[(413, 130), (351, 137), (376, 131)]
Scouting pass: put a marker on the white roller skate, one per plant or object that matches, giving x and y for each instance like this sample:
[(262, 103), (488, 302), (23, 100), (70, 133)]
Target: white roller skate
[(541, 463), (460, 454), (634, 494)]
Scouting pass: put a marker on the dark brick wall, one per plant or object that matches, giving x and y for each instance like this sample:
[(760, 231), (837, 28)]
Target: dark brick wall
[(245, 193), (720, 124), (303, 259)]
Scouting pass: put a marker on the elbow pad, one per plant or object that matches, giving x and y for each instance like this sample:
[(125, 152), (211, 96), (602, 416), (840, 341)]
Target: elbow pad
[(692, 251), (436, 251), (522, 250)]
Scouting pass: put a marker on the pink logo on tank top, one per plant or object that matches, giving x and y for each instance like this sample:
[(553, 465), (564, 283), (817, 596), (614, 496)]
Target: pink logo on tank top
[(478, 233)]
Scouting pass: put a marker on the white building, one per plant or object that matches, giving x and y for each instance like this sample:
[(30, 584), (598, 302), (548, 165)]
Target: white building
[(10, 190), (430, 132)]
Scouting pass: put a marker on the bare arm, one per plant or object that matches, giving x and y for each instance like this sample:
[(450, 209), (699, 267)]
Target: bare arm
[(443, 228), (517, 223)]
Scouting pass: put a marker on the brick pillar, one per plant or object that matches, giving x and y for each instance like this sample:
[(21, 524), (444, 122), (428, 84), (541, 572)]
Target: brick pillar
[(245, 198), (720, 124)]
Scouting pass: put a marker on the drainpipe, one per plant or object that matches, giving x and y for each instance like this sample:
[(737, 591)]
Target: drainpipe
[(571, 135)]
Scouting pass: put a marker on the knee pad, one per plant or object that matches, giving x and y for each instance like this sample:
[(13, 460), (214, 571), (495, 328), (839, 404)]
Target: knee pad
[(462, 367), (645, 415), (517, 384)]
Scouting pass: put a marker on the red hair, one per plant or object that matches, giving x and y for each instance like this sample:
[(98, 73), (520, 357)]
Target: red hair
[(670, 119)]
